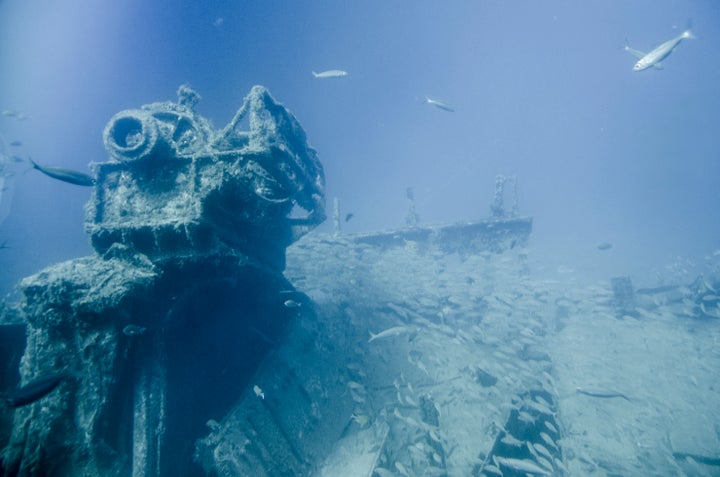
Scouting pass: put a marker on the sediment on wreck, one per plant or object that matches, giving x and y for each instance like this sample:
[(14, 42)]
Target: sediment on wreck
[(161, 329)]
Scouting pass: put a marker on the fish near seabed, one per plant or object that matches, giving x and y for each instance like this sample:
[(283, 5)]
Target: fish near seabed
[(601, 393), (394, 331), (659, 53), (65, 175)]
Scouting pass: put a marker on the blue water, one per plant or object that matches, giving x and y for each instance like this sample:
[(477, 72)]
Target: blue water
[(542, 90)]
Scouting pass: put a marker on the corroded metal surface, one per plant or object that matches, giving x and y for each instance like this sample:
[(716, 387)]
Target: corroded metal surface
[(175, 186), (167, 322)]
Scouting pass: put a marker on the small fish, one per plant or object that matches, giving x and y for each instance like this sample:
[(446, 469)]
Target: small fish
[(292, 304), (17, 159), (491, 469), (361, 419), (134, 330), (15, 114), (356, 386), (349, 216), (707, 460), (601, 393), (653, 59), (432, 471), (4, 245), (541, 449), (34, 390), (510, 440), (549, 425), (357, 397), (65, 175), (521, 465), (526, 418), (411, 402), (16, 143), (541, 408), (548, 440), (709, 312), (401, 468), (394, 331), (434, 436), (258, 392), (604, 246), (440, 104), (422, 367), (330, 74), (545, 463), (382, 472)]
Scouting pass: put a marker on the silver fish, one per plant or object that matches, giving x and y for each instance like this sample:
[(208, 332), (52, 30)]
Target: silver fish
[(510, 440), (549, 425), (65, 175), (330, 74), (15, 114), (601, 393), (134, 330), (548, 440), (659, 53), (521, 465), (394, 331), (440, 104)]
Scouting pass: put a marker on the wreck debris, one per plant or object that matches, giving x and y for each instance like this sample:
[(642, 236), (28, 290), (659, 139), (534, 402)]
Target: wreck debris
[(173, 186), (190, 227)]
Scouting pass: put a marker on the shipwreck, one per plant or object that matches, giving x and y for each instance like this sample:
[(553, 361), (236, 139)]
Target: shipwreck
[(210, 334)]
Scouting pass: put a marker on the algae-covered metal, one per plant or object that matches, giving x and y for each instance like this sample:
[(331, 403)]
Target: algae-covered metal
[(165, 325), (175, 186)]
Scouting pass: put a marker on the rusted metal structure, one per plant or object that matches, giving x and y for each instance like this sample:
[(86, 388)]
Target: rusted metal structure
[(190, 227), (188, 350)]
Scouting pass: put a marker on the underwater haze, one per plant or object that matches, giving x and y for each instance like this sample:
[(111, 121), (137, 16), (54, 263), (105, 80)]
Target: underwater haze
[(206, 333), (543, 91)]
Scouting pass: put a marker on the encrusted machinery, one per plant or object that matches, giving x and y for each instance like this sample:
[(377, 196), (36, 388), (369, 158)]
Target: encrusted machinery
[(163, 328), (174, 186)]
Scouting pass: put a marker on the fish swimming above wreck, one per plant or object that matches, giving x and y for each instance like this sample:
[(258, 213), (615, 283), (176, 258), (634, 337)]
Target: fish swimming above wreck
[(134, 330), (65, 175), (659, 53), (394, 331), (440, 104), (604, 246), (330, 74)]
